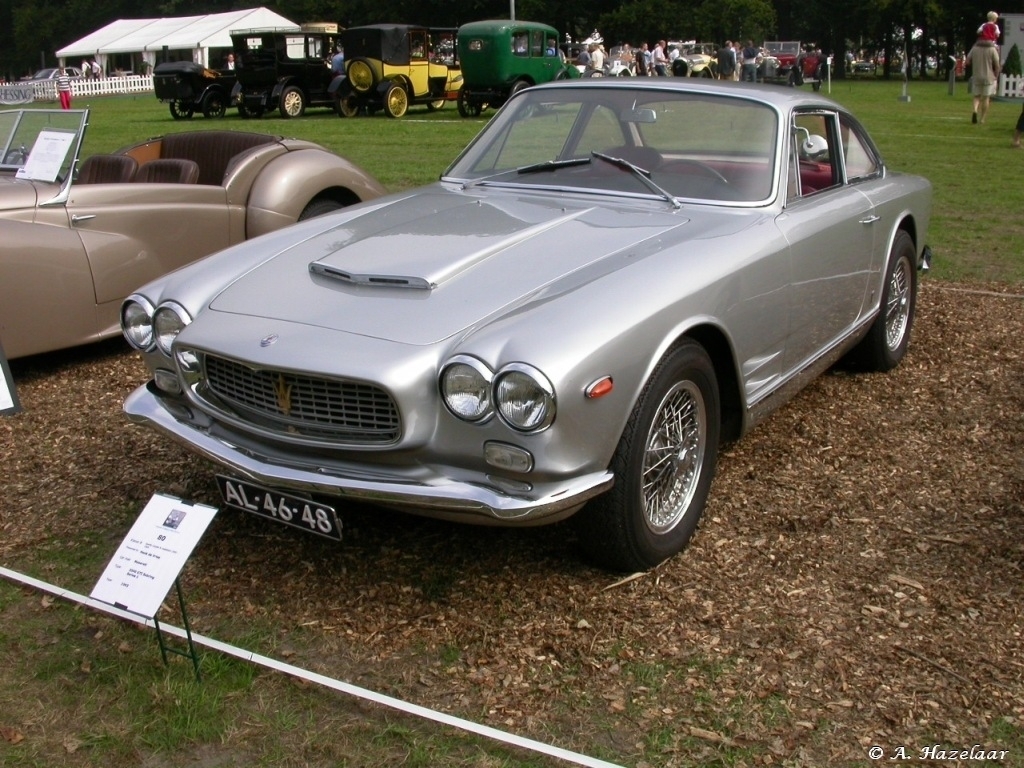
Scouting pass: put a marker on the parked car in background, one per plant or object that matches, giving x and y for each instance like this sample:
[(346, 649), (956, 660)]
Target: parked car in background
[(75, 239), (614, 277), (695, 59), (391, 67), (50, 73), (287, 70), (499, 58), (788, 63), (187, 87)]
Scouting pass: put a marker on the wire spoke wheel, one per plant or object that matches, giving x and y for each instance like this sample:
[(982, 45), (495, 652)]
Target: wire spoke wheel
[(673, 457)]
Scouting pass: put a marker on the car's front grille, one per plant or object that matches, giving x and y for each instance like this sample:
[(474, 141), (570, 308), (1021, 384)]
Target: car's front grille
[(308, 406)]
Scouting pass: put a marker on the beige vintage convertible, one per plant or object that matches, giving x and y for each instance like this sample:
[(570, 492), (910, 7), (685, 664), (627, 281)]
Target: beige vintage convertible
[(77, 238)]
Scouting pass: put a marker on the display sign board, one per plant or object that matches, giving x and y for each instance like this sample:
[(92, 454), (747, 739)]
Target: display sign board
[(8, 395), (148, 562), (47, 156)]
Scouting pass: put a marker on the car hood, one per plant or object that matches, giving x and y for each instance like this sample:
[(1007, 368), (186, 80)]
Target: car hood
[(431, 265)]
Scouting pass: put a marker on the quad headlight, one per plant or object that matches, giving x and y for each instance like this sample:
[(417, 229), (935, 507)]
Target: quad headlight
[(525, 398), (137, 322), (146, 326), (170, 319), (521, 395)]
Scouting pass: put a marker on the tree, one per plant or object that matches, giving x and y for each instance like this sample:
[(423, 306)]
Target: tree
[(1012, 66)]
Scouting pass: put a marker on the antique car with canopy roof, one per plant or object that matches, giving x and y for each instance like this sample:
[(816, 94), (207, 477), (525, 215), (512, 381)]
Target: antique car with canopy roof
[(391, 67)]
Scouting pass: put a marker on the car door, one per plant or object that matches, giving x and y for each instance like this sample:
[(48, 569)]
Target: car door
[(829, 226), (133, 233)]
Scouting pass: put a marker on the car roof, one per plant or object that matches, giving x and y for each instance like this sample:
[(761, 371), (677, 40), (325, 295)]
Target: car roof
[(779, 96)]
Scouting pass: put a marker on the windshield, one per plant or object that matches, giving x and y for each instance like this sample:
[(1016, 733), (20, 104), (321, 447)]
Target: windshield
[(49, 137), (698, 146)]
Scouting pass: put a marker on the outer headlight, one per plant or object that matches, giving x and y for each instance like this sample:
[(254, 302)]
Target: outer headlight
[(524, 397), (466, 388), (168, 322), (137, 322)]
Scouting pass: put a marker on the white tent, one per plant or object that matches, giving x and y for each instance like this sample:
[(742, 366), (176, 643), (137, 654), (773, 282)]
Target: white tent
[(148, 39)]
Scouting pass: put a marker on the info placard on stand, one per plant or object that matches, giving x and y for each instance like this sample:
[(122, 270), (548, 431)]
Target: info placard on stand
[(8, 395), (149, 560)]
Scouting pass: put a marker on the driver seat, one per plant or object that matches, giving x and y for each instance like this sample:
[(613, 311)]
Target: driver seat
[(647, 158), (107, 169)]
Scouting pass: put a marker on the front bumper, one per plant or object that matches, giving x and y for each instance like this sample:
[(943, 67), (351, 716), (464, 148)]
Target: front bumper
[(419, 490)]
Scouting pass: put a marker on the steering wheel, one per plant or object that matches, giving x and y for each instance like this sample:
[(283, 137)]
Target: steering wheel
[(15, 157)]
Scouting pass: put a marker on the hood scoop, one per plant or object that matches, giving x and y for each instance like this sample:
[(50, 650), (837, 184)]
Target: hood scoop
[(384, 281)]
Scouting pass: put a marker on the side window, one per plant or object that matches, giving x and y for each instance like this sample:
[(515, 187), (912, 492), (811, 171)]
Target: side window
[(536, 43), (417, 45), (814, 146), (520, 43), (861, 160)]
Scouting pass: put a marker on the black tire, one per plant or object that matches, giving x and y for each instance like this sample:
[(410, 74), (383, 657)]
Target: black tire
[(347, 105), (396, 101), (214, 105), (434, 106), (517, 86), (293, 102), (886, 343), (182, 110), (320, 207), (466, 107), (663, 466)]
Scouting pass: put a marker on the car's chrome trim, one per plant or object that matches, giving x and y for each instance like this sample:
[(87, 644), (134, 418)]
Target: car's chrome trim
[(444, 497)]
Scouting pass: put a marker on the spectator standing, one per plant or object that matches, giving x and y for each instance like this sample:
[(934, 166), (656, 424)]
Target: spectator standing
[(64, 89), (726, 61), (749, 70), (597, 58), (229, 62), (97, 70), (659, 59), (583, 59), (643, 60), (984, 57), (86, 69), (338, 61)]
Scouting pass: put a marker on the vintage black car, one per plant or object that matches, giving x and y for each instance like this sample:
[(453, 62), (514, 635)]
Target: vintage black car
[(188, 87), (393, 66), (283, 69)]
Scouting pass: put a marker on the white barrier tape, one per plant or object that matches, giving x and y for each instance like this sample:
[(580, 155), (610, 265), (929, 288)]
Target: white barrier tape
[(313, 677)]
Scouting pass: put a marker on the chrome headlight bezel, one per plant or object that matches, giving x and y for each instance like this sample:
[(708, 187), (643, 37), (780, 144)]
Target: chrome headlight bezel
[(137, 322), (519, 383), (169, 320), (463, 381)]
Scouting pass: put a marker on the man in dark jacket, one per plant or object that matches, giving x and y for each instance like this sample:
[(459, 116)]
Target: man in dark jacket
[(726, 61)]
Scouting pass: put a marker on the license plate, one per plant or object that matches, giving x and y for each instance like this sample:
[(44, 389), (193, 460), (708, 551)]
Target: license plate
[(281, 507)]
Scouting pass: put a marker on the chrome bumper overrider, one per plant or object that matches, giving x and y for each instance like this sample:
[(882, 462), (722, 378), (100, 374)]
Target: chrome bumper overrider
[(434, 496)]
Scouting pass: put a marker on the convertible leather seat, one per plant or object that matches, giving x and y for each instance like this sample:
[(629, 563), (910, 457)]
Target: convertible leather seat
[(168, 171), (212, 150), (107, 169)]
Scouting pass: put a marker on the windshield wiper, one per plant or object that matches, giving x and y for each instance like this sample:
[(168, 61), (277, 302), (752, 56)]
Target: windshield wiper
[(547, 165), (641, 173)]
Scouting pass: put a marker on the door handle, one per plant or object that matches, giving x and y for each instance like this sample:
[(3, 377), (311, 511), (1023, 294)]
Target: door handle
[(75, 218), (870, 219)]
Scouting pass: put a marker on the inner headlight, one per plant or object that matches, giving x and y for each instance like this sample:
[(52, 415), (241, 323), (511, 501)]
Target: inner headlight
[(524, 397), (168, 322), (466, 388), (137, 322)]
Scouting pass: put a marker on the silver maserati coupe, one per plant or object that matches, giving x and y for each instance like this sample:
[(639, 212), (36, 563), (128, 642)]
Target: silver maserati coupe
[(613, 278)]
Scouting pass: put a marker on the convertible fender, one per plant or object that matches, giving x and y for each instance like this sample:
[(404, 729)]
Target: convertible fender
[(289, 182)]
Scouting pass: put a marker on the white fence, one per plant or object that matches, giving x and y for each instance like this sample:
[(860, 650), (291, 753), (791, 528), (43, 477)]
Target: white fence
[(46, 90), (1011, 86)]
